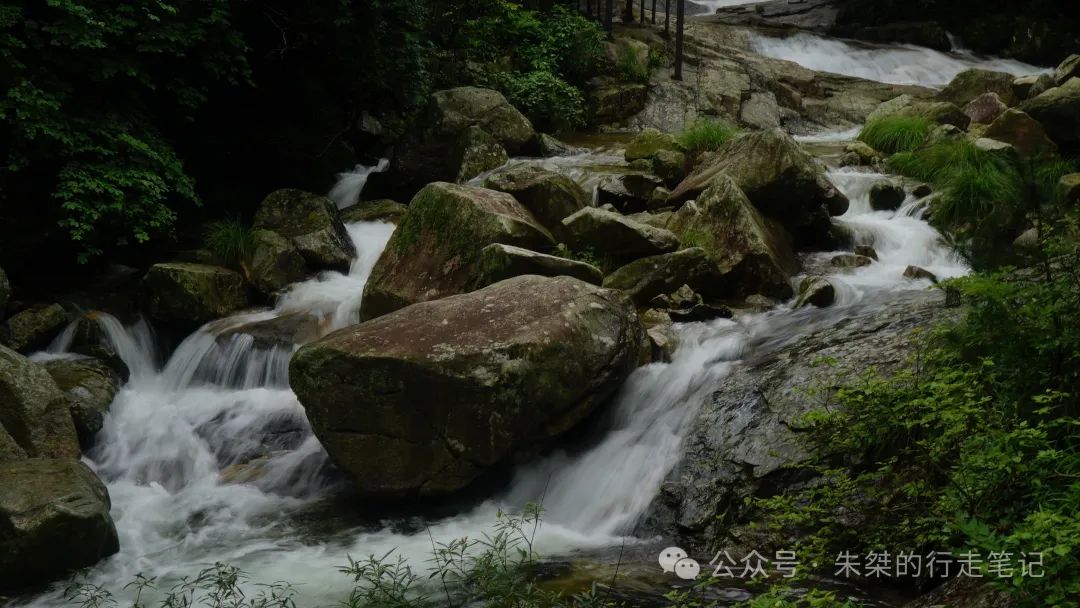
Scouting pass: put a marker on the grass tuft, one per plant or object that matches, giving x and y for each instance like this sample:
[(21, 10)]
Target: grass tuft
[(897, 133), (231, 242), (706, 136)]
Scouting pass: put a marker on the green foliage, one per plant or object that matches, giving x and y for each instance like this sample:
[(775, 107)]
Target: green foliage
[(231, 242), (605, 262), (218, 586), (706, 136), (631, 67), (896, 133), (551, 103)]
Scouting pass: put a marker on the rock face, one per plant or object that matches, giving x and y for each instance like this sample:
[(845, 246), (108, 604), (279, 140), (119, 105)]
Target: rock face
[(33, 410), (656, 275), (550, 197), (476, 152), (422, 401), (54, 518), (1059, 112), (32, 329), (971, 84), (613, 234), (1023, 133), (91, 386), (613, 102), (778, 177), (198, 293), (435, 250), (751, 251), (499, 262), (453, 111), (275, 263), (312, 224)]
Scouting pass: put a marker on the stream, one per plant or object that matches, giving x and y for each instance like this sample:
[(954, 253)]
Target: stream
[(174, 440)]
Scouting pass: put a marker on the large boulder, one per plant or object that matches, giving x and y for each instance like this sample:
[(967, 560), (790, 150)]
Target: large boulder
[(815, 291), (499, 262), (886, 195), (311, 222), (422, 401), (435, 250), (33, 410), (780, 179), (1059, 112), (752, 251), (939, 112), (1025, 134), (550, 196), (476, 152), (609, 233), (972, 83), (91, 385), (657, 275), (275, 263), (1069, 69), (629, 193), (192, 293), (1026, 87), (452, 111), (54, 518), (33, 328)]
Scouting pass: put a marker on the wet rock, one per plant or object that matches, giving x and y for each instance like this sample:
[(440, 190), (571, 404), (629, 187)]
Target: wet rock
[(614, 102), (752, 252), (282, 331), (917, 273), (54, 518), (33, 410), (1069, 187), (198, 293), (974, 83), (649, 143), (616, 235), (550, 196), (380, 210), (700, 312), (499, 262), (436, 247), (1026, 87), (476, 152), (778, 177), (760, 111), (91, 385), (312, 224), (922, 191), (940, 112), (628, 193), (1023, 133), (551, 147), (422, 401), (661, 335), (33, 328), (886, 195), (645, 279), (815, 291), (849, 260), (1069, 69), (985, 108), (275, 263), (864, 154), (1058, 110), (669, 166), (866, 251)]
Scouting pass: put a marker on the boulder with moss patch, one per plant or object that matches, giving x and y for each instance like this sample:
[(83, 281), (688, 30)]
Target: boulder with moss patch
[(192, 293), (275, 263), (91, 385), (33, 409), (649, 143), (973, 83), (33, 328), (939, 112), (380, 210), (657, 275), (424, 400), (499, 262), (312, 224), (1058, 109), (616, 235), (550, 196)]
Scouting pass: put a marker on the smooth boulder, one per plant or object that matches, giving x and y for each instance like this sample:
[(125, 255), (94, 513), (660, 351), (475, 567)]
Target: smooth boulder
[(90, 385), (973, 83), (54, 518), (33, 410), (435, 250), (815, 291), (499, 262), (33, 328), (275, 263), (312, 224), (550, 196), (610, 233), (422, 401), (194, 293), (1022, 132)]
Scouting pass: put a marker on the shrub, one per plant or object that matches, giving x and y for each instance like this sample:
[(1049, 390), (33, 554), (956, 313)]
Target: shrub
[(631, 67), (706, 136), (231, 242), (549, 102), (896, 133)]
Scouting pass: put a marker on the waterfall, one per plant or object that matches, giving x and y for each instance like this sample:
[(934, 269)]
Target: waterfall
[(346, 192)]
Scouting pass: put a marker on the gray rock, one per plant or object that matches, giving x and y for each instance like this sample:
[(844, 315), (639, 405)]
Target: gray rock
[(549, 196), (886, 195), (974, 83), (1034, 85), (628, 193), (476, 152), (614, 102), (618, 236), (196, 293), (645, 279), (499, 262), (282, 332), (91, 385), (850, 260), (815, 291), (380, 210), (866, 251), (33, 410), (453, 111), (1023, 133), (312, 223), (940, 112), (917, 273), (1069, 69), (276, 263), (649, 143), (33, 328), (985, 108), (551, 147), (1058, 110)]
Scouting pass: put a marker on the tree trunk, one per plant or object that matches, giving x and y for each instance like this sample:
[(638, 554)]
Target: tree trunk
[(654, 12), (667, 18), (628, 15), (679, 39)]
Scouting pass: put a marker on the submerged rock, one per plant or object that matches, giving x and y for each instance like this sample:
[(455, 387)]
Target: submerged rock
[(33, 328), (33, 409), (54, 518), (91, 385), (550, 197), (435, 250), (610, 233), (197, 293), (499, 262), (312, 224), (422, 401)]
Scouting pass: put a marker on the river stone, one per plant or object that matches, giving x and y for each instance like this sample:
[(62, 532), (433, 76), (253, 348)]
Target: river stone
[(863, 152), (5, 292), (1058, 109), (669, 166), (752, 251), (32, 329), (380, 210), (34, 410), (550, 147), (610, 233), (780, 178), (940, 112), (275, 264), (628, 193), (422, 401), (54, 518), (1069, 69), (1034, 85), (499, 262), (647, 278), (476, 152), (435, 250), (649, 143), (850, 260), (311, 222), (91, 385), (973, 83), (282, 331), (815, 291), (1023, 133), (176, 291), (867, 251), (918, 273), (886, 195), (550, 196), (985, 108)]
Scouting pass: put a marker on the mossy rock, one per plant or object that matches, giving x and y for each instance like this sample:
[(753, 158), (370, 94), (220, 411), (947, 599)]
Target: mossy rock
[(196, 293), (939, 112), (657, 275), (617, 236), (499, 262), (649, 143), (477, 152), (276, 263), (91, 385), (1058, 109), (381, 210), (422, 401), (33, 410), (973, 83), (815, 291), (33, 328), (312, 224), (550, 196)]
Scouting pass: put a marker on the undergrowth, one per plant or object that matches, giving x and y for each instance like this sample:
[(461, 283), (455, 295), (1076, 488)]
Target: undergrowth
[(706, 136), (896, 133), (231, 242)]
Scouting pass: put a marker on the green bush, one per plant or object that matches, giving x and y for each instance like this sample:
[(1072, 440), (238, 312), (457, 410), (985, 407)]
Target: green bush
[(706, 136), (551, 103), (896, 133)]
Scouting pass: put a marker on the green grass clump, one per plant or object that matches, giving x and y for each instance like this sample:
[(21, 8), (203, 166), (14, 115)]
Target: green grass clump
[(231, 242), (896, 133), (631, 67), (706, 136)]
